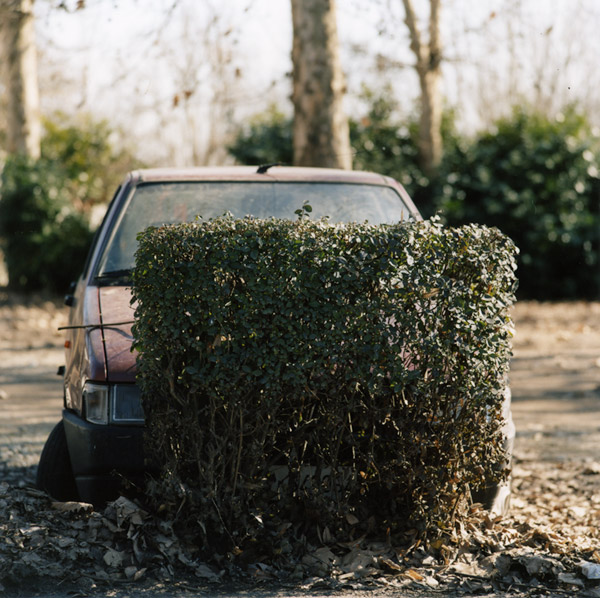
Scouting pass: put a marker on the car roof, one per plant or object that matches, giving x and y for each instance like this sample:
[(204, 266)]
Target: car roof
[(250, 173)]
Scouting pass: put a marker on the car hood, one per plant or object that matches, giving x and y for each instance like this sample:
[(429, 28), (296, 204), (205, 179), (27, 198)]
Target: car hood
[(116, 314)]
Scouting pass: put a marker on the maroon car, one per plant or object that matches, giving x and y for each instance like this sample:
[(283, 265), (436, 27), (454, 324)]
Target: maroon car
[(98, 443)]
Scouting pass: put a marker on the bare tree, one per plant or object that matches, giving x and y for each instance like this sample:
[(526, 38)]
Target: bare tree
[(19, 60), (321, 132), (428, 66)]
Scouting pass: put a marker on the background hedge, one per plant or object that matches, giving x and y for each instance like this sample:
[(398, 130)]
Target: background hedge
[(47, 206), (44, 238), (535, 176), (375, 355), (537, 179)]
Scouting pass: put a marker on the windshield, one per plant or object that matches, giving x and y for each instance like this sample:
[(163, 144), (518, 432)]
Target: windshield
[(169, 203)]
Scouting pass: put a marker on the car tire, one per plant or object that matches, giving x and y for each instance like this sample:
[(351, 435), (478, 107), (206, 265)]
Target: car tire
[(54, 474)]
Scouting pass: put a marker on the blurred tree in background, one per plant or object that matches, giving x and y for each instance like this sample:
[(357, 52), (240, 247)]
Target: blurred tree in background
[(87, 152), (266, 138), (320, 126)]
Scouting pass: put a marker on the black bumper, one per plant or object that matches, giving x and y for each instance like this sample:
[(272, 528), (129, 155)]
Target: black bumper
[(103, 457)]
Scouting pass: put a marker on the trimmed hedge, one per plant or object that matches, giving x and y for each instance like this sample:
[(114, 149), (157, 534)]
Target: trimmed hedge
[(373, 358)]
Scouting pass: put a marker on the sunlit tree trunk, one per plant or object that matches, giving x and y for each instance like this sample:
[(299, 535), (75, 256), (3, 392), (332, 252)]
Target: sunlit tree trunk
[(428, 66), (19, 69), (321, 132)]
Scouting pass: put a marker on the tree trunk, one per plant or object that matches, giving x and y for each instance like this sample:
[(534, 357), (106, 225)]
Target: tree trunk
[(19, 60), (321, 132), (428, 67)]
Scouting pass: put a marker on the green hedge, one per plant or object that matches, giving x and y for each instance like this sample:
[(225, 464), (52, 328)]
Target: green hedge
[(537, 179), (375, 355), (46, 205)]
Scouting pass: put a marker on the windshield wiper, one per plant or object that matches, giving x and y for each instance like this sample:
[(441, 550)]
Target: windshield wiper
[(114, 277)]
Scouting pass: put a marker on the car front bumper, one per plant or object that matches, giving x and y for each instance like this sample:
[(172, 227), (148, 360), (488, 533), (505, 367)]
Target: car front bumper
[(103, 457)]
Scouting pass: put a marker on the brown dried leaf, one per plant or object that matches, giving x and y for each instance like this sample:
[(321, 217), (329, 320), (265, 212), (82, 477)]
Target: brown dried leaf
[(414, 575), (72, 507)]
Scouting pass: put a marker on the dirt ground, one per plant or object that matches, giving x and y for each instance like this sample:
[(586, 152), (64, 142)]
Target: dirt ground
[(555, 377), (555, 380)]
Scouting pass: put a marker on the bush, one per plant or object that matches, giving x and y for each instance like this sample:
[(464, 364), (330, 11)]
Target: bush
[(365, 363), (385, 144), (44, 239), (91, 166), (537, 180), (46, 206), (267, 139)]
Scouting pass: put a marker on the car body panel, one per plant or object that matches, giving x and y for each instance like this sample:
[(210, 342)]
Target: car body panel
[(98, 452), (117, 318), (84, 347)]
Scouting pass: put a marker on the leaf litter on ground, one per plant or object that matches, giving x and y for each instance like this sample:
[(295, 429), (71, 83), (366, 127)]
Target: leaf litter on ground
[(550, 542)]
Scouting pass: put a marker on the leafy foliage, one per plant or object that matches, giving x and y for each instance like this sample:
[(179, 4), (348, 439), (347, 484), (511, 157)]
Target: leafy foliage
[(92, 167), (309, 373), (533, 177), (44, 239), (382, 144), (45, 205), (267, 139), (386, 144), (537, 179)]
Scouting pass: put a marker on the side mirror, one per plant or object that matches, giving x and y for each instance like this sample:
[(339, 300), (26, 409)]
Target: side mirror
[(70, 297)]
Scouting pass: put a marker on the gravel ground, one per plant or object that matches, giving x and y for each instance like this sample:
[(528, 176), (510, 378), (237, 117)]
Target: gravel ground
[(550, 544)]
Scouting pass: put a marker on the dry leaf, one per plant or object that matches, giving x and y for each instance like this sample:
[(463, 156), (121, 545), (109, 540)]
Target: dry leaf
[(391, 564), (351, 519), (72, 507), (113, 558), (590, 570), (414, 575)]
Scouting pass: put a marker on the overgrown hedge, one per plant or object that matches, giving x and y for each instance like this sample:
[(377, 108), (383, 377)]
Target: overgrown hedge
[(377, 356)]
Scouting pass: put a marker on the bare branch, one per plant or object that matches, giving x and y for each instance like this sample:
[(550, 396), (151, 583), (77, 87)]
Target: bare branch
[(435, 47), (415, 35)]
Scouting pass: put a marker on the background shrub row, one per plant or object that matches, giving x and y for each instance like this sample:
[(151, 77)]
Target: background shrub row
[(373, 358), (48, 206), (534, 176)]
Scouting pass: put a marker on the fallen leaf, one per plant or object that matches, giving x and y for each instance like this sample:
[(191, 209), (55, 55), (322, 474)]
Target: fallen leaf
[(113, 558), (414, 575), (590, 570), (72, 507)]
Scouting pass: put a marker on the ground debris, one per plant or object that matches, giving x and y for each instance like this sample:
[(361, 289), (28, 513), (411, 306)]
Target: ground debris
[(550, 542), (70, 542)]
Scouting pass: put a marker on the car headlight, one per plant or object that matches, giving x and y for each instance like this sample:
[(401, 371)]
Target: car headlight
[(126, 405), (115, 403), (95, 403)]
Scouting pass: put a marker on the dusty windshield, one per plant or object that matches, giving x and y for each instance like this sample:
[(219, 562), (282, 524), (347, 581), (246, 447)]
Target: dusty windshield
[(164, 203)]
